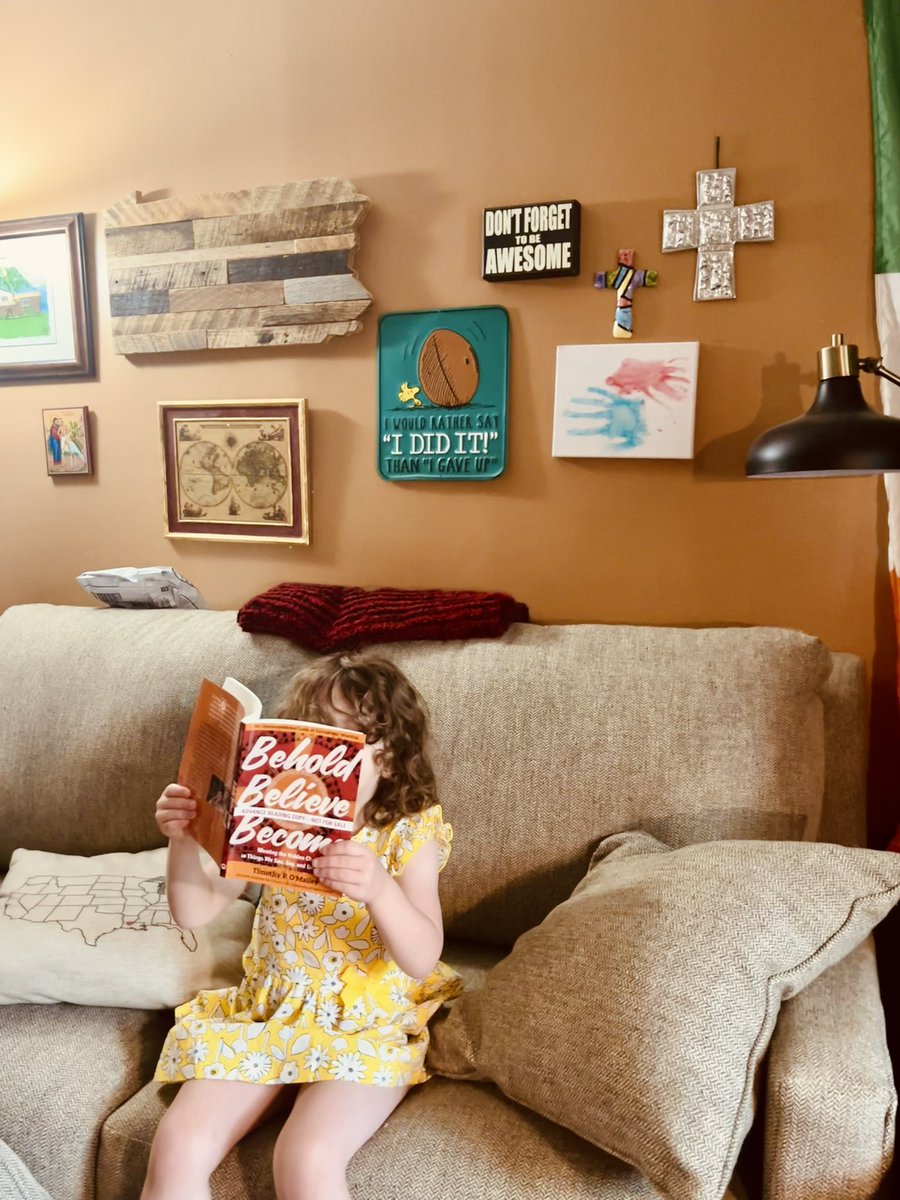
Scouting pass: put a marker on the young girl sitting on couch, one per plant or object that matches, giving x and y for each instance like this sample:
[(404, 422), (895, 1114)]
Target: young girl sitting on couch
[(337, 990)]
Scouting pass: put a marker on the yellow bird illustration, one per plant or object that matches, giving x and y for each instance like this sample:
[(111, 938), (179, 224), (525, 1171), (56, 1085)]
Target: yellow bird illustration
[(409, 394)]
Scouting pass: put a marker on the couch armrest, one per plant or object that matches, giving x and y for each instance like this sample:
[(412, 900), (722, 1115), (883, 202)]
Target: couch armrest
[(830, 1103)]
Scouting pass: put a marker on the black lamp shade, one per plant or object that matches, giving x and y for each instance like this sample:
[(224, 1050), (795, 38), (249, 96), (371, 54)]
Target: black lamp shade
[(840, 435)]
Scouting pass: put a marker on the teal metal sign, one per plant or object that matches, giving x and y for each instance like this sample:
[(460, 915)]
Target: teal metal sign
[(442, 393)]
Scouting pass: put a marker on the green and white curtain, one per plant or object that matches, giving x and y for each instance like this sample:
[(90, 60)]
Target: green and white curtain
[(883, 27)]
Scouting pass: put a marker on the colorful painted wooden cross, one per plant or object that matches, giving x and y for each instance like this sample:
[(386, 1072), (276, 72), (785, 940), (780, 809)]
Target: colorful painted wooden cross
[(625, 279), (713, 228)]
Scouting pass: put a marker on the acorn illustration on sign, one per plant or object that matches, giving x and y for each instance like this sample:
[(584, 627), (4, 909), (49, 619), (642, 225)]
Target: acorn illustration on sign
[(448, 369)]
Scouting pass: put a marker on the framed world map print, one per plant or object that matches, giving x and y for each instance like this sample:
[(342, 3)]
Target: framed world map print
[(236, 470)]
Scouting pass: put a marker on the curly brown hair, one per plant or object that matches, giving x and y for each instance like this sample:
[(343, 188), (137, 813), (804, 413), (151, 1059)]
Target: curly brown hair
[(389, 709)]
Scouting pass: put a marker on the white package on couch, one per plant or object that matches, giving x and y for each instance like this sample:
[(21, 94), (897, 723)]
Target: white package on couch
[(141, 587)]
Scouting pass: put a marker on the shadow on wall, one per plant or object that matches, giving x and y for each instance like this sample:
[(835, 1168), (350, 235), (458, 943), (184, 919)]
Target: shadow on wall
[(403, 215), (725, 457)]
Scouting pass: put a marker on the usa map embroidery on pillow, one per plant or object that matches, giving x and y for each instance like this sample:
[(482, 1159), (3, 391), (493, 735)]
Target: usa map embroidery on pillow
[(97, 930), (95, 905)]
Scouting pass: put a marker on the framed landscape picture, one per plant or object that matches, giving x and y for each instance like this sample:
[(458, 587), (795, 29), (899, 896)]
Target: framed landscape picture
[(236, 470), (45, 315), (67, 441)]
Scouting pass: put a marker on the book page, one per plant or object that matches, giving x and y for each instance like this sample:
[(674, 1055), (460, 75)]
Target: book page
[(294, 793), (250, 702), (207, 764)]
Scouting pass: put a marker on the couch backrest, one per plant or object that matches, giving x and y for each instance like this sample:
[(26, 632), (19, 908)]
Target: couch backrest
[(544, 740)]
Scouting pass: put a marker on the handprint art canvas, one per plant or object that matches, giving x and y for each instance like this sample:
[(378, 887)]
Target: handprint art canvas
[(634, 401)]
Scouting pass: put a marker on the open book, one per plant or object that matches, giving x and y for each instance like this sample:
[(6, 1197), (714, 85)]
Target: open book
[(270, 793)]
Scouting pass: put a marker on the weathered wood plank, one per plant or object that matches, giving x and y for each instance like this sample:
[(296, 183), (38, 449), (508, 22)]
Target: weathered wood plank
[(147, 239), (178, 274), (324, 287), (301, 314), (290, 335), (237, 318), (156, 343), (317, 221), (338, 241), (304, 192), (288, 266), (236, 295), (134, 304), (132, 210), (328, 241), (192, 256)]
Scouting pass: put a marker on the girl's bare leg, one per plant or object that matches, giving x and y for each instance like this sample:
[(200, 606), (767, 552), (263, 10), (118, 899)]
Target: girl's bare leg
[(206, 1118), (328, 1124)]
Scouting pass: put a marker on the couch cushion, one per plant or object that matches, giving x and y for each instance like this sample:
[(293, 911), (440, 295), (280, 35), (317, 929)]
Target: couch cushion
[(548, 739), (660, 980), (479, 1144), (65, 1069), (544, 740), (452, 1139)]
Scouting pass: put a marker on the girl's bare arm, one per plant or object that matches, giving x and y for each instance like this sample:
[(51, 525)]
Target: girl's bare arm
[(194, 889), (406, 909), (407, 914)]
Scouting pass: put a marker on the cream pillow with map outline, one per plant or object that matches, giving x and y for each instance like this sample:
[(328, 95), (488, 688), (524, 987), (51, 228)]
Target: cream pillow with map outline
[(98, 931)]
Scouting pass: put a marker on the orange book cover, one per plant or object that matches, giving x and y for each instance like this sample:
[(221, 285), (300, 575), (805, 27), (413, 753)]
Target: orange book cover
[(271, 794)]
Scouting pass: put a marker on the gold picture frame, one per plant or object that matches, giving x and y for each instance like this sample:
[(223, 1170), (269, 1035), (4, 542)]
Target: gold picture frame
[(236, 470)]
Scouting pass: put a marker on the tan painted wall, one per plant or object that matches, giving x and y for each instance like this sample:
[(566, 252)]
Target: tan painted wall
[(436, 110)]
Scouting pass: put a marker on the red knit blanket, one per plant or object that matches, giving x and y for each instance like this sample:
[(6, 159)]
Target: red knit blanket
[(324, 617)]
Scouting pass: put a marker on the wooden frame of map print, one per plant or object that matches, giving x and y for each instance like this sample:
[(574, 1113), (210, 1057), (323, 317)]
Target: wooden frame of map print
[(236, 470)]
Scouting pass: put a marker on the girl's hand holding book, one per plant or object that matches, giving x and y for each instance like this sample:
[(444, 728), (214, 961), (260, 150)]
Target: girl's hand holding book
[(352, 869), (174, 810)]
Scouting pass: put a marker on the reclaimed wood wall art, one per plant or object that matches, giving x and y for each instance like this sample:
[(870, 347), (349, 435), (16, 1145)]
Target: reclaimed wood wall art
[(269, 266)]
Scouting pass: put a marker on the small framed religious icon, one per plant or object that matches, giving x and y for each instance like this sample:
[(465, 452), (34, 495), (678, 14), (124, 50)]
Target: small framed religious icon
[(67, 441)]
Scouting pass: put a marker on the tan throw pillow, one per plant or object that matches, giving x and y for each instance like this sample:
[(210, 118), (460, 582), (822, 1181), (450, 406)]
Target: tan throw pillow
[(98, 931), (637, 1013)]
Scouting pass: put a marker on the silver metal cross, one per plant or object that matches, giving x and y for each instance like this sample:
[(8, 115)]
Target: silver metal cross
[(713, 228)]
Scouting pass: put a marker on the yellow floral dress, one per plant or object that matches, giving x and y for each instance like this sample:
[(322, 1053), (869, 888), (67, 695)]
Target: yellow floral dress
[(320, 998)]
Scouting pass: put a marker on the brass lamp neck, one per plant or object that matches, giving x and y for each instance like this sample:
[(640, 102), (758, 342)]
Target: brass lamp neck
[(838, 359)]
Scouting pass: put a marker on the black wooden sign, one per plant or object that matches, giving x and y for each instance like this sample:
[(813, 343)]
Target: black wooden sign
[(532, 241)]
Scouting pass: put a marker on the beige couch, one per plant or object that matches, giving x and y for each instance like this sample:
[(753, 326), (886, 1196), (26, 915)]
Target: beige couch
[(545, 741)]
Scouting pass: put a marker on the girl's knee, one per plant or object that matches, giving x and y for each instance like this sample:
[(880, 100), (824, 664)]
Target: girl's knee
[(304, 1169), (179, 1152)]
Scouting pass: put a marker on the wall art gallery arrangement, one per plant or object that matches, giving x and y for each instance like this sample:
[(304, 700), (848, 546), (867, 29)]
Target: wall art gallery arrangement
[(273, 266)]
